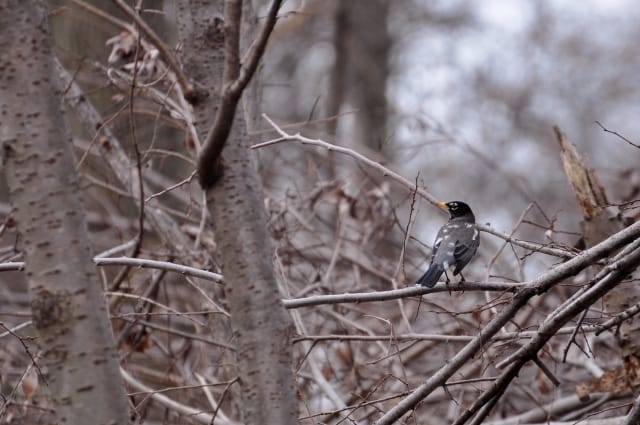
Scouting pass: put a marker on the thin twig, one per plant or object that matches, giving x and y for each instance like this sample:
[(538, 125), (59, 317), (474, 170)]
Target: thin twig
[(510, 336), (122, 275), (543, 367), (170, 188), (572, 339), (514, 229), (192, 413), (285, 137), (145, 263), (167, 55), (26, 349), (103, 15), (135, 262), (619, 318), (395, 294), (222, 396), (400, 264), (529, 351), (540, 285), (615, 133)]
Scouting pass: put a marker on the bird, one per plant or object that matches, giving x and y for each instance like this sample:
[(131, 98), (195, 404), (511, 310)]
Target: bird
[(456, 243)]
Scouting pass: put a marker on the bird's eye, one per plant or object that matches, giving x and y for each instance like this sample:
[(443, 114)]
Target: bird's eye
[(453, 205)]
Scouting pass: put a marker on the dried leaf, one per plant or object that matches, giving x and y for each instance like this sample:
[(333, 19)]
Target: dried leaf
[(123, 46), (544, 386), (615, 380), (30, 384)]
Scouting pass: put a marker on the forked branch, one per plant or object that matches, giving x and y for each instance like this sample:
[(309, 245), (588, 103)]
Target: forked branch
[(236, 77)]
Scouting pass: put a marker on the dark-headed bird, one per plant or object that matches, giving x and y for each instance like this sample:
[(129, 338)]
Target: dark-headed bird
[(455, 245)]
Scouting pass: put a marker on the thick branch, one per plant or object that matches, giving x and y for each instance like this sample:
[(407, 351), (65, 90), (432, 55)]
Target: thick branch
[(537, 287), (529, 351), (236, 78), (256, 51), (232, 20)]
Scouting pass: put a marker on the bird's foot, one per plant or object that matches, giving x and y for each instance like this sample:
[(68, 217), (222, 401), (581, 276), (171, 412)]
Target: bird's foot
[(447, 281)]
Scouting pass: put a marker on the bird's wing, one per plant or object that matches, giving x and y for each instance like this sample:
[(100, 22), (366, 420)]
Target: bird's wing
[(464, 251), (444, 248), (436, 244)]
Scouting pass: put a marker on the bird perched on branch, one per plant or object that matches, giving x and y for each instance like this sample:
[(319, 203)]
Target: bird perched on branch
[(455, 245)]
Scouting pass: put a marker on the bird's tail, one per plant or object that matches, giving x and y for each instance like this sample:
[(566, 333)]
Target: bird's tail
[(431, 276)]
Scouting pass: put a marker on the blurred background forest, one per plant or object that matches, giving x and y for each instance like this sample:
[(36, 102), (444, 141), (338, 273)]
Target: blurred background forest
[(458, 96)]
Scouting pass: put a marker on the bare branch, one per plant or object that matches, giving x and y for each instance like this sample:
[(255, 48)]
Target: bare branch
[(286, 137), (167, 55), (615, 321), (536, 287), (103, 15), (621, 270), (634, 415), (194, 414), (556, 408), (615, 133), (235, 81), (163, 265), (396, 294), (136, 262), (256, 50), (116, 156), (504, 336)]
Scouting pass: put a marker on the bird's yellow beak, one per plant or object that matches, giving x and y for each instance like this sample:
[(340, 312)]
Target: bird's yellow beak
[(442, 205)]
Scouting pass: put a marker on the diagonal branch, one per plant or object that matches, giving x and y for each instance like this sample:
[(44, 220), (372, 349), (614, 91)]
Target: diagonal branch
[(615, 133), (256, 50), (236, 78), (116, 156), (286, 137), (621, 270), (538, 286), (634, 415), (167, 55)]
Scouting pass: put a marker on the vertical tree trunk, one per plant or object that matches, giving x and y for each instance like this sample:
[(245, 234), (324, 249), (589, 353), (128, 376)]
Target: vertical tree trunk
[(68, 308), (260, 323), (362, 44)]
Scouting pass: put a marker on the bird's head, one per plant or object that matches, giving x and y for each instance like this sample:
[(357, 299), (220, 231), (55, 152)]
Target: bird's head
[(456, 209)]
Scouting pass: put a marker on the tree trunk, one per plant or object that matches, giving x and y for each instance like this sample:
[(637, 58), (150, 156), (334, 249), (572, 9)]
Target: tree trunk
[(362, 44), (68, 308), (261, 326)]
